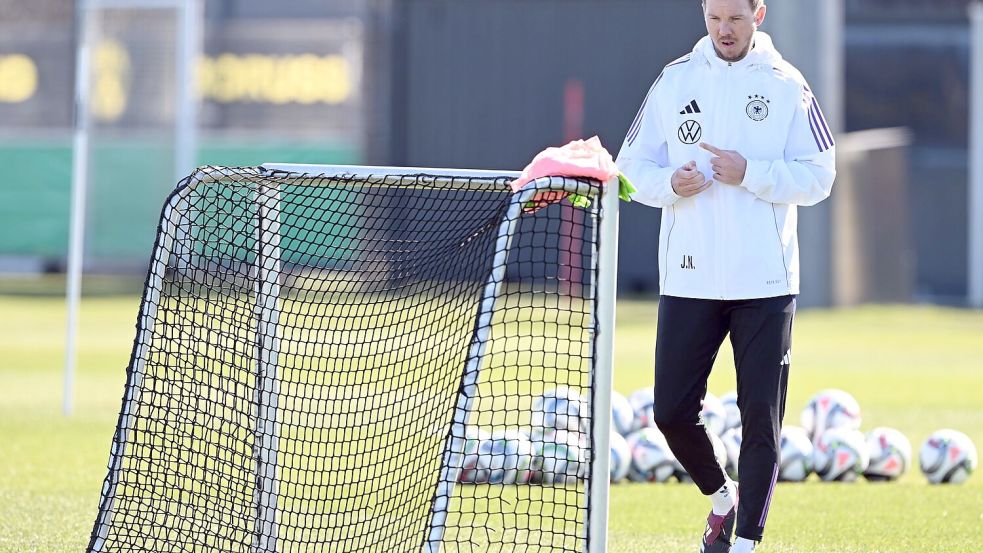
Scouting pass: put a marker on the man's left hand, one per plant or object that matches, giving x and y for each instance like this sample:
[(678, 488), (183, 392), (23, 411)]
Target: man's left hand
[(729, 166)]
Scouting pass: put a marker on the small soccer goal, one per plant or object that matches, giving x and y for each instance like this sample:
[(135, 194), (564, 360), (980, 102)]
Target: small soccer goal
[(363, 359)]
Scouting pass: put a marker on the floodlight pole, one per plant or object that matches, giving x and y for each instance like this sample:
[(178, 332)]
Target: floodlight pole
[(976, 157)]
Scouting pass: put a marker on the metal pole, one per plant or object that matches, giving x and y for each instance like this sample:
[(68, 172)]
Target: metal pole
[(268, 268), (976, 159), (80, 184), (607, 287), (189, 38), (175, 211)]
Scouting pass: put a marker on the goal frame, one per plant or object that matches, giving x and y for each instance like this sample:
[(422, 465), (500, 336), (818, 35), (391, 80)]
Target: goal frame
[(188, 43), (267, 235)]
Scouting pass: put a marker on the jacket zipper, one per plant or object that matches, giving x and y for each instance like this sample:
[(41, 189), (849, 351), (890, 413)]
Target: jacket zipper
[(723, 144)]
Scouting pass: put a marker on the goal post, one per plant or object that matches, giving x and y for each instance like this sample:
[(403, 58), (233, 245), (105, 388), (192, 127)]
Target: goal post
[(367, 359)]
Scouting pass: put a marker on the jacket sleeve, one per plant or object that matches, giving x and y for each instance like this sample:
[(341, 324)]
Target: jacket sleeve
[(644, 156), (805, 177)]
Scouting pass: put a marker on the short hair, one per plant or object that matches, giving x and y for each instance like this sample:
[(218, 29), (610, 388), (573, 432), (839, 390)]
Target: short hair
[(755, 4)]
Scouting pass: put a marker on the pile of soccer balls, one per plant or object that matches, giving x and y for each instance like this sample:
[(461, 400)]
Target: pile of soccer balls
[(554, 448), (552, 451), (829, 443)]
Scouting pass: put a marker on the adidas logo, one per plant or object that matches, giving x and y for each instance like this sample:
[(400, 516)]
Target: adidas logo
[(787, 360), (691, 107)]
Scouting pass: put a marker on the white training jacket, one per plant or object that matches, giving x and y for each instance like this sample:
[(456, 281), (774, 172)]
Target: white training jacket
[(730, 242)]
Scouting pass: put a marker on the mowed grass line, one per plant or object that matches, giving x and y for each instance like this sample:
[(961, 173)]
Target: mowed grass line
[(917, 369)]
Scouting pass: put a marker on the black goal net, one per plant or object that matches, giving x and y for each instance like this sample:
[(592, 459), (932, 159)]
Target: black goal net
[(356, 362)]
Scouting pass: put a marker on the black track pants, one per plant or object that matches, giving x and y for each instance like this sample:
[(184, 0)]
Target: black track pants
[(689, 335)]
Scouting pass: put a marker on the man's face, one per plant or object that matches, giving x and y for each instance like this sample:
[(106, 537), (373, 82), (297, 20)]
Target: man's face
[(731, 25)]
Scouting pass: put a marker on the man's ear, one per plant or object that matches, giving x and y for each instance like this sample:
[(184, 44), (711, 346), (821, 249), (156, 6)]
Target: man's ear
[(759, 17)]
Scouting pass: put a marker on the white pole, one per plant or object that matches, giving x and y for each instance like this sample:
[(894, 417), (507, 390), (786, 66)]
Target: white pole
[(80, 183), (267, 361), (176, 210), (976, 159), (607, 286), (831, 62), (189, 38)]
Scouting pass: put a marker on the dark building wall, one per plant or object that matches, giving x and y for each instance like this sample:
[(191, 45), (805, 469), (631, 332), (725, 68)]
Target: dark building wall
[(482, 84)]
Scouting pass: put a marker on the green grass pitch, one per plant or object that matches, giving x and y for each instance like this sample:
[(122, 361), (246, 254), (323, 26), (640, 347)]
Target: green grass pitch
[(917, 369)]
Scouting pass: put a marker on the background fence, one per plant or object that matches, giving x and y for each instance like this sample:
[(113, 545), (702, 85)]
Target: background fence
[(483, 84)]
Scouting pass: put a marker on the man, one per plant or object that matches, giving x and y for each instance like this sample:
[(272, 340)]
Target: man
[(728, 142)]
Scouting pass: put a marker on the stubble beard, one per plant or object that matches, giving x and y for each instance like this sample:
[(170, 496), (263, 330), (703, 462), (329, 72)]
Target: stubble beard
[(743, 54)]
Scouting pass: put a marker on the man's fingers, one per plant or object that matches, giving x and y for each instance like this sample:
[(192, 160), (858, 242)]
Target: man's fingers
[(712, 149), (696, 182), (693, 189), (695, 179)]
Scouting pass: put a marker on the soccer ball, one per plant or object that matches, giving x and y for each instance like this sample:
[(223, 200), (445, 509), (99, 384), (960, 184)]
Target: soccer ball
[(651, 458), (713, 415), (507, 456), (729, 401), (841, 455), (830, 409), (890, 454), (732, 444), (719, 452), (559, 463), (560, 408), (473, 436), (643, 404), (622, 415), (948, 457), (796, 455), (620, 457), (470, 472)]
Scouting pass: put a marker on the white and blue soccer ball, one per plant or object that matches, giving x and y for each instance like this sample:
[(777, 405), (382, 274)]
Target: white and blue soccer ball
[(948, 457), (620, 457), (559, 463), (890, 454), (713, 415), (733, 419), (507, 457), (651, 458), (796, 455), (470, 472), (830, 409), (841, 455), (719, 452), (732, 444), (622, 414), (560, 408), (643, 404)]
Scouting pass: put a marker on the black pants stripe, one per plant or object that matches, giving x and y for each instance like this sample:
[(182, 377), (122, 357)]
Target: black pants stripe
[(689, 336)]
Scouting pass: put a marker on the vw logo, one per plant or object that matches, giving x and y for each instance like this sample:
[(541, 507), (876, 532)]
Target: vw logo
[(690, 132)]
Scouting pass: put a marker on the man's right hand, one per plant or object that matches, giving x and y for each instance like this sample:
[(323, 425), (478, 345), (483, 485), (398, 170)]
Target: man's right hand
[(688, 181)]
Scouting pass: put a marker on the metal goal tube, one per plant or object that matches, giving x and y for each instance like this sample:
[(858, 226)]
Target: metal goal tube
[(452, 458), (366, 171), (603, 370), (138, 359), (267, 392)]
